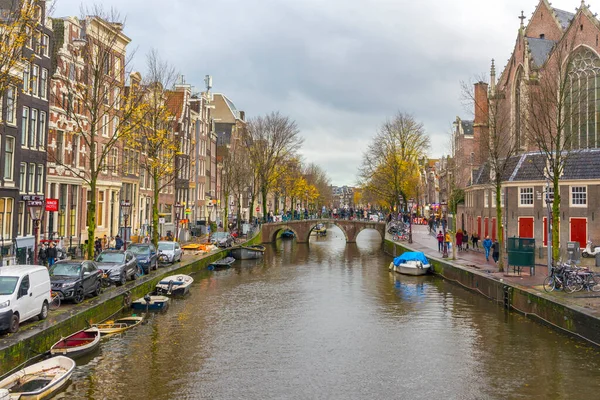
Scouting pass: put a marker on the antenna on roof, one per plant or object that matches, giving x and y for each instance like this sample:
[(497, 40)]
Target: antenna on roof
[(208, 82)]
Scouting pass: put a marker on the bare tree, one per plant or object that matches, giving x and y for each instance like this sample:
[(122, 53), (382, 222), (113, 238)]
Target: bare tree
[(552, 115), (270, 140)]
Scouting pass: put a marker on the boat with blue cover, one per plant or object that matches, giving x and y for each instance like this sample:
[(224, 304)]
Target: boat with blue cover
[(410, 263), (151, 303)]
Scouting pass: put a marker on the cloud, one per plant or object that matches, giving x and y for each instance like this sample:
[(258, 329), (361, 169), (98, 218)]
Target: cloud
[(338, 67)]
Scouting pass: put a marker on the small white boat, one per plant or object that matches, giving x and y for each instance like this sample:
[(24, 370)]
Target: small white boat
[(176, 285), (117, 326), (38, 381), (410, 263), (151, 303)]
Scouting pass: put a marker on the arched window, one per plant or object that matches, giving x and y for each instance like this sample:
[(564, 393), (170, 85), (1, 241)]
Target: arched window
[(582, 108), (518, 111)]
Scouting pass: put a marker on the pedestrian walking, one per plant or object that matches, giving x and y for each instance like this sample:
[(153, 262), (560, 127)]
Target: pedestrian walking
[(496, 251), (112, 243), (459, 240), (42, 255), (466, 240), (118, 242), (448, 239), (51, 254), (440, 238), (475, 240), (487, 246)]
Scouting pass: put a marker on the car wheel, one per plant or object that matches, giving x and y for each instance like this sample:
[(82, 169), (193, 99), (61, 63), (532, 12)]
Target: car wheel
[(134, 276), (98, 289), (14, 323), (79, 296), (44, 313), (123, 279)]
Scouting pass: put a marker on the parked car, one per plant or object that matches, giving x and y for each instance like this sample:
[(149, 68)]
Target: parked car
[(24, 294), (118, 265), (146, 256), (74, 279), (172, 250), (222, 239)]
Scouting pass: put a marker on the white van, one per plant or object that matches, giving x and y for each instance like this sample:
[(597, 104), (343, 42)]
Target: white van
[(24, 294)]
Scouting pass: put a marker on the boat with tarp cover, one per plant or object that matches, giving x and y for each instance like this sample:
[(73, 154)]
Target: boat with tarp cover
[(410, 263)]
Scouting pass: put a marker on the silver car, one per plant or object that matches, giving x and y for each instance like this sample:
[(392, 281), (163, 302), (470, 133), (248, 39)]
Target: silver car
[(170, 249)]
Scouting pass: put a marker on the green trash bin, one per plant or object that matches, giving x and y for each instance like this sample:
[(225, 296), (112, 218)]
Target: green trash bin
[(521, 254)]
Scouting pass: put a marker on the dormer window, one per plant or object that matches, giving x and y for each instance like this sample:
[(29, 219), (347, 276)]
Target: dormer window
[(542, 36)]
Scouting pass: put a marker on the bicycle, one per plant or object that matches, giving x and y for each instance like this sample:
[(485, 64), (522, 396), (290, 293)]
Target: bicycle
[(54, 301)]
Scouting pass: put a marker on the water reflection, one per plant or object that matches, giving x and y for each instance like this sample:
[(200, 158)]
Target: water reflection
[(328, 320)]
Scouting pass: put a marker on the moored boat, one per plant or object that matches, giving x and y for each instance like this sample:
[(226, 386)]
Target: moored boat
[(320, 230), (247, 252), (77, 344), (176, 285), (151, 303), (38, 381), (222, 263), (118, 326), (410, 263), (287, 234)]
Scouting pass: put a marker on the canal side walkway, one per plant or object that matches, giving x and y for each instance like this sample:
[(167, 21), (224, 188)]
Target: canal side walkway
[(577, 313)]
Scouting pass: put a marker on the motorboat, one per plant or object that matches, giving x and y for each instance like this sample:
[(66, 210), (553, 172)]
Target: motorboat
[(151, 303), (411, 263), (77, 344), (38, 381), (288, 234), (320, 230), (119, 325), (175, 285), (222, 263), (247, 252)]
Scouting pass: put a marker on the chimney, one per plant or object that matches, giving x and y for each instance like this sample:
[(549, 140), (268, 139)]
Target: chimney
[(492, 79), (481, 104)]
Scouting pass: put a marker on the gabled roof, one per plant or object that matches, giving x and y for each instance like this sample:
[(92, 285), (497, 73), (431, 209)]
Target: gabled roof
[(564, 17), (175, 103), (540, 49)]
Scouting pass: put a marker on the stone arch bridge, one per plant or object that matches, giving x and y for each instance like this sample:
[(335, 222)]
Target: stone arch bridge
[(303, 228)]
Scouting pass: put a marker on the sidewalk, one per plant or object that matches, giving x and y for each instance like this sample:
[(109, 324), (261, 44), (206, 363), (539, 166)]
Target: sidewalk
[(473, 259)]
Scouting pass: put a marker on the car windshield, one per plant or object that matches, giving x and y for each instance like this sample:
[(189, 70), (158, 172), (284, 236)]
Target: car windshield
[(65, 269), (139, 250), (8, 284), (111, 257), (165, 246)]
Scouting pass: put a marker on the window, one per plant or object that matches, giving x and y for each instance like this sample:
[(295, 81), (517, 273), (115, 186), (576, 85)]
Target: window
[(100, 212), (106, 63), (25, 126), (493, 199), (39, 181), (6, 208), (9, 157), (33, 128), (115, 126), (106, 95), (60, 146), (118, 68), (35, 71), (75, 150), (42, 130), (26, 77), (526, 197), (579, 196), (72, 71), (502, 198), (45, 45), (117, 98), (22, 221), (38, 42), (22, 177), (44, 84), (486, 199), (30, 178), (102, 162), (114, 162), (105, 123), (10, 104), (29, 36), (548, 193)]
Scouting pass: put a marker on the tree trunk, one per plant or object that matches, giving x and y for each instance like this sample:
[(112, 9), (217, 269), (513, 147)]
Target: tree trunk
[(91, 219), (251, 213), (499, 227), (556, 221), (264, 202), (226, 211), (155, 194)]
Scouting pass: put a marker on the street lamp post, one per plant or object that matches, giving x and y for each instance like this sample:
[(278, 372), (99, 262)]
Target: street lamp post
[(445, 246), (178, 206), (410, 206), (35, 212), (125, 208)]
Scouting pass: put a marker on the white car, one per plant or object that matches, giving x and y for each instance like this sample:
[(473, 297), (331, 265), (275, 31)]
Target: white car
[(24, 294), (170, 249)]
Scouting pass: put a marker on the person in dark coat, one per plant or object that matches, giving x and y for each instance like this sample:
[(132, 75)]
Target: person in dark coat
[(51, 254), (42, 255), (496, 251), (118, 242)]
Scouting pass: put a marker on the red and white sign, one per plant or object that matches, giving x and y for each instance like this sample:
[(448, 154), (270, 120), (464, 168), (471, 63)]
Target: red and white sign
[(51, 205)]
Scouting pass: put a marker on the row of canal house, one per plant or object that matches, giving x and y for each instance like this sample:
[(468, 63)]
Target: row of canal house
[(44, 153), (524, 183)]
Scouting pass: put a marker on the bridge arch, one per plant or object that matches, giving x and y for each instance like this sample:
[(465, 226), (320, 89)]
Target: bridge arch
[(303, 228)]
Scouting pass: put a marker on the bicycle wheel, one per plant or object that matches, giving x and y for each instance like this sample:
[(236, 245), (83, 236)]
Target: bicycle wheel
[(54, 302), (549, 284), (594, 282), (572, 284)]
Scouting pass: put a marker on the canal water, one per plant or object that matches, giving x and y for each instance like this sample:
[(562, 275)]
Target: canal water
[(328, 321)]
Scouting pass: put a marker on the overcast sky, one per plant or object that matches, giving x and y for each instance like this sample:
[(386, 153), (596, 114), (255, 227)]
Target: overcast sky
[(339, 68)]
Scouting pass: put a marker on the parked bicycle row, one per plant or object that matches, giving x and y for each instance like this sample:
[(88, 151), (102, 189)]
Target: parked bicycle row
[(571, 278)]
